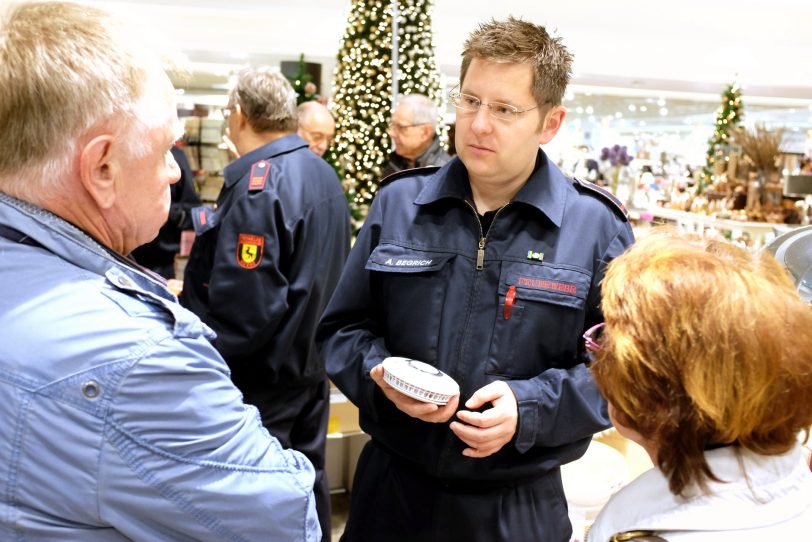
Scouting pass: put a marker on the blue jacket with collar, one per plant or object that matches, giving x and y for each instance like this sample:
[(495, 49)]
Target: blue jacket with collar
[(119, 420), (265, 315), (413, 287)]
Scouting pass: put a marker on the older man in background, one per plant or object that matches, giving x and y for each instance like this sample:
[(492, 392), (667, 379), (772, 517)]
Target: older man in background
[(414, 131), (119, 420), (316, 126)]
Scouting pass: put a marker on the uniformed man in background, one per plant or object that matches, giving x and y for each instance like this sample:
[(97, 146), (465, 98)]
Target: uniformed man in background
[(265, 262)]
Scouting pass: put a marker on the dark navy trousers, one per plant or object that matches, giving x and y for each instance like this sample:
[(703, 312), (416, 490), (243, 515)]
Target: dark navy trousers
[(298, 416), (393, 501)]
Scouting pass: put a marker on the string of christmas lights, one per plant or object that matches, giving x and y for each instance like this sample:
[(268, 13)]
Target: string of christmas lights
[(363, 88)]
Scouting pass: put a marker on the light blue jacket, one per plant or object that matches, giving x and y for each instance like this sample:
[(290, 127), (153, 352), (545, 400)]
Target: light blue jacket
[(118, 419)]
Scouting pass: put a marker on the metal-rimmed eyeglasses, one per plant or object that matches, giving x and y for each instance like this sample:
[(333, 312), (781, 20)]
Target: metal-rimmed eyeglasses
[(499, 110), (592, 337), (397, 127)]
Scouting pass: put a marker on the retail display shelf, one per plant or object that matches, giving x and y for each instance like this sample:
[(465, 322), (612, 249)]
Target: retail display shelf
[(757, 234)]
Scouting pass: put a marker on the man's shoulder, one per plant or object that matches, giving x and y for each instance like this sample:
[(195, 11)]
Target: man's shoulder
[(419, 174), (603, 195), (302, 167)]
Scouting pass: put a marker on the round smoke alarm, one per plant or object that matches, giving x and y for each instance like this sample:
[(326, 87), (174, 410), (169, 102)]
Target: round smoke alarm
[(419, 380)]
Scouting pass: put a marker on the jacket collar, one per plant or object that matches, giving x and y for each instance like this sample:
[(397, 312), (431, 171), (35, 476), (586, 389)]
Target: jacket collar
[(240, 167), (545, 190), (73, 245)]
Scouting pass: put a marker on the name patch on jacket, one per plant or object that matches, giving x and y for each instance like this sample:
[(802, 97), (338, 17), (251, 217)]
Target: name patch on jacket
[(407, 262), (249, 250), (545, 284), (391, 258)]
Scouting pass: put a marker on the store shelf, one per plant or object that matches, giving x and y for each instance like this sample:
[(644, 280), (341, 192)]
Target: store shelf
[(755, 234), (345, 440)]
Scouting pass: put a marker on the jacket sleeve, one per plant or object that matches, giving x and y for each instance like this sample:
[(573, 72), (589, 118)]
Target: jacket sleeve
[(246, 304), (562, 406), (350, 333), (185, 459)]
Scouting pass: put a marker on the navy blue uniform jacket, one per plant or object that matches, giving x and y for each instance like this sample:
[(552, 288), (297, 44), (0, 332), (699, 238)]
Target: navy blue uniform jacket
[(411, 287), (265, 303)]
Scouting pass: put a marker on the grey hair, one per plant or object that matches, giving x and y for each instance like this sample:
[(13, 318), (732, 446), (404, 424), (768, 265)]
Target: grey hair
[(65, 68), (424, 111), (267, 100)]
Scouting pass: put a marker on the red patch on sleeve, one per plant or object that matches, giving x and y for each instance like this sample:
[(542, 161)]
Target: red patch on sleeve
[(249, 250)]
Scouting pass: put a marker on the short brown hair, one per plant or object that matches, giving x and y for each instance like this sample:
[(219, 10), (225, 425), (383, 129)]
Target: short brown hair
[(705, 345), (521, 42), (267, 100)]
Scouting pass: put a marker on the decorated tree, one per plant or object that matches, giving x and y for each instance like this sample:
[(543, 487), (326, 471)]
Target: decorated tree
[(363, 87), (728, 116), (302, 83)]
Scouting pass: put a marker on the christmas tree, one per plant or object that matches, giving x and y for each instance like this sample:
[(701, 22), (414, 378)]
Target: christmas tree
[(303, 84), (728, 116), (363, 87)]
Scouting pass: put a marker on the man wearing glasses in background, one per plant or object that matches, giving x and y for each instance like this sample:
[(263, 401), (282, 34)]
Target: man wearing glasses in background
[(414, 131), (489, 269)]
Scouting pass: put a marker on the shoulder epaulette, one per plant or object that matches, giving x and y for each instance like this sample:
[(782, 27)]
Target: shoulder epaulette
[(604, 194), (259, 176), (427, 170)]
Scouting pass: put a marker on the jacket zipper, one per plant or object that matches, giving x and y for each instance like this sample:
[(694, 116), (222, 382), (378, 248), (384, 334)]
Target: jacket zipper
[(480, 253)]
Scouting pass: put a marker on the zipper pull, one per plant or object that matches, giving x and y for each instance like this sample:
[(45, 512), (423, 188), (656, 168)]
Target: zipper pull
[(480, 254)]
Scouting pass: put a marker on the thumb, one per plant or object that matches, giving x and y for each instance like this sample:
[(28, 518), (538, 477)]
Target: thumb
[(485, 394)]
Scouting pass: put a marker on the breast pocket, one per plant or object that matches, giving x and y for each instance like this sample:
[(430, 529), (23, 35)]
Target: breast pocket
[(539, 320), (411, 286)]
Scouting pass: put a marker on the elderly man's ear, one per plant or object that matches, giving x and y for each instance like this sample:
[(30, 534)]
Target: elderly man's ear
[(97, 170)]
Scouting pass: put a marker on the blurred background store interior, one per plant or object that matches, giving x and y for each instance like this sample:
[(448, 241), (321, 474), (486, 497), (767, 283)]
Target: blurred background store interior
[(646, 74)]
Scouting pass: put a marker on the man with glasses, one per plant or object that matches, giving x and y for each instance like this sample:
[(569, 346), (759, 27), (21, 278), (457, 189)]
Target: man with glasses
[(487, 268), (414, 132)]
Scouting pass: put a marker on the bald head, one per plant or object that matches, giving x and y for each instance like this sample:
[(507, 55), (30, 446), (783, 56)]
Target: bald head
[(316, 126)]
